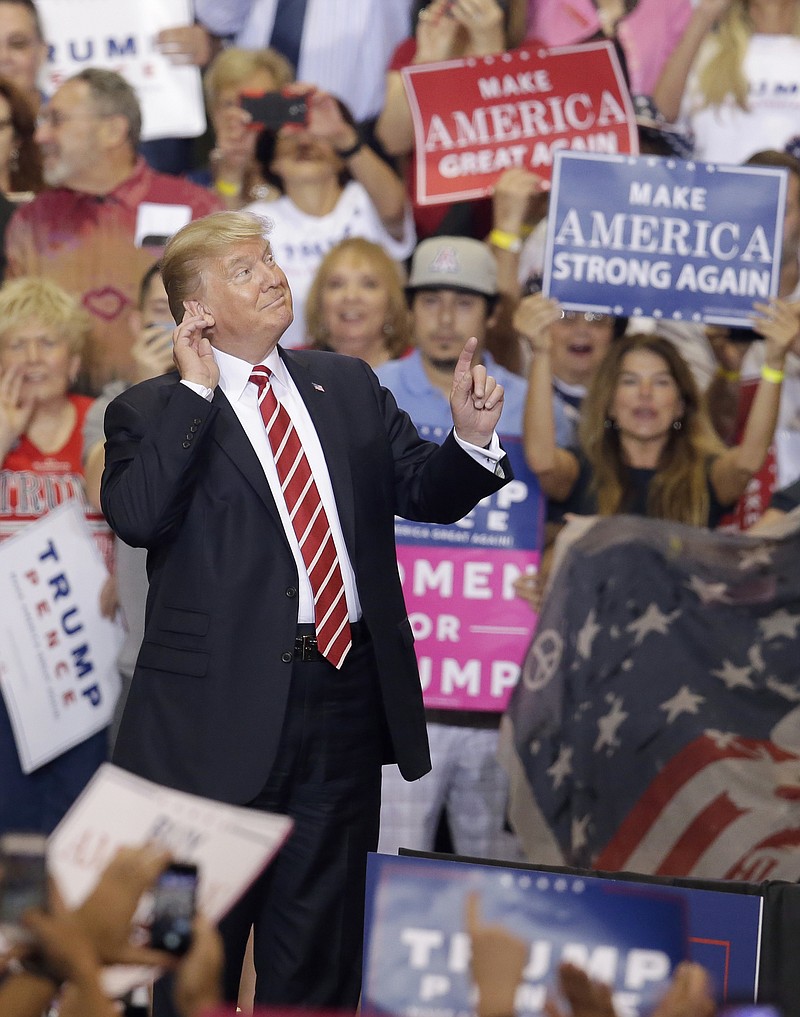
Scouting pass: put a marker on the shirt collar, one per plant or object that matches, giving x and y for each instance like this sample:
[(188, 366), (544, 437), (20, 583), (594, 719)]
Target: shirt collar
[(234, 374), (418, 381)]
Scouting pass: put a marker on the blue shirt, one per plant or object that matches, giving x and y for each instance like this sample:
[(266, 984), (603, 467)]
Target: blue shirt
[(430, 409)]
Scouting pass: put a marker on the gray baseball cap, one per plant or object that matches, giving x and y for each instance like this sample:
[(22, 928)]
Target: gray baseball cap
[(453, 263)]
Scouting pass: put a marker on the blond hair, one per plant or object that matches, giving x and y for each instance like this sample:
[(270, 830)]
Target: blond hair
[(232, 67), (397, 334), (188, 252), (721, 76), (30, 299), (679, 489)]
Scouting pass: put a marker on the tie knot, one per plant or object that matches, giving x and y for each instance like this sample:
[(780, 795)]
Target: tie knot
[(260, 377)]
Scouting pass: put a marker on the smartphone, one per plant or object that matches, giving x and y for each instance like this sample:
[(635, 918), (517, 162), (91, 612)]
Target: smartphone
[(174, 901), (23, 881), (274, 109), (155, 240), (740, 334)]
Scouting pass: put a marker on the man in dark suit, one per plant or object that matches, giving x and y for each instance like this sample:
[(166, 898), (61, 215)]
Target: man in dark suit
[(232, 698)]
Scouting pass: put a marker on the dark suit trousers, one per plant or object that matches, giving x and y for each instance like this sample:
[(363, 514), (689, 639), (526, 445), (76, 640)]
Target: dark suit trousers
[(308, 907)]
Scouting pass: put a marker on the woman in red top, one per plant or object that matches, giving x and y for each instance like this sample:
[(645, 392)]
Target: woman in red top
[(446, 30), (42, 332)]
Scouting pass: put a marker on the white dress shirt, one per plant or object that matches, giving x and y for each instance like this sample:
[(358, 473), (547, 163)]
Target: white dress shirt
[(242, 394)]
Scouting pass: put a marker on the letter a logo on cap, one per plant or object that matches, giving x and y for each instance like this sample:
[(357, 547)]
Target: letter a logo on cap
[(446, 260)]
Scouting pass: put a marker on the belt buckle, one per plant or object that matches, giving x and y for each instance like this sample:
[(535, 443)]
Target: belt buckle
[(305, 648)]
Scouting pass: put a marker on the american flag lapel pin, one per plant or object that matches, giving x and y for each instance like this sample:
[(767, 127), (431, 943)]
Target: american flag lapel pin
[(319, 388)]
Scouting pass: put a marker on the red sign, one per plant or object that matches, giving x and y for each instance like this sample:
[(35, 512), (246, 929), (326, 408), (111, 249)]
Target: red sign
[(475, 118)]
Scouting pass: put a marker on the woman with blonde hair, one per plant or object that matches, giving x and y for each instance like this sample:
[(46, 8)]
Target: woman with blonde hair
[(645, 443), (734, 78), (42, 332), (233, 171), (356, 304)]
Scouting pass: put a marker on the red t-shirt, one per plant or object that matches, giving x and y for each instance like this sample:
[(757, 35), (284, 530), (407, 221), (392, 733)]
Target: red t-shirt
[(33, 482)]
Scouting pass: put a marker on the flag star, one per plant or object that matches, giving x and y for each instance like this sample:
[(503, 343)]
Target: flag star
[(562, 768), (708, 593), (587, 634), (785, 689), (653, 620), (608, 726), (721, 739), (733, 676), (684, 701), (781, 623), (579, 828), (761, 555), (755, 658)]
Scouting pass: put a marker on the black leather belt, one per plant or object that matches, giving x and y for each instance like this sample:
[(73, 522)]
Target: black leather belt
[(305, 642)]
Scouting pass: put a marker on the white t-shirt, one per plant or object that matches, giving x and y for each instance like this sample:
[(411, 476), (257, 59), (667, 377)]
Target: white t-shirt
[(727, 133), (300, 241)]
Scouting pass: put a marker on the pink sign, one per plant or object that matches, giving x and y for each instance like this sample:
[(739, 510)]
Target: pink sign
[(476, 117), (471, 629)]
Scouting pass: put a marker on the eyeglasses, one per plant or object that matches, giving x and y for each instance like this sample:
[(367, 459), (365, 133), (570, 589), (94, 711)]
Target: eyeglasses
[(55, 118), (590, 317)]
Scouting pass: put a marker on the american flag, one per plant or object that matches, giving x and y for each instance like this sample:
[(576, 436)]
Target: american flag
[(656, 724)]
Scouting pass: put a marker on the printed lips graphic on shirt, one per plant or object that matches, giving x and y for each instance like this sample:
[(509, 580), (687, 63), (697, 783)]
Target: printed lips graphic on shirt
[(106, 303)]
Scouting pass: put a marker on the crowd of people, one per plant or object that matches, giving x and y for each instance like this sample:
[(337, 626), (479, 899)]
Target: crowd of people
[(125, 262)]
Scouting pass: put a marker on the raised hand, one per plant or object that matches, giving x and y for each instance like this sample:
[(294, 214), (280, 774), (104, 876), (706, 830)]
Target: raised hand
[(532, 320), (483, 21), (498, 960), (194, 355), (436, 34), (779, 323), (476, 399), (16, 408)]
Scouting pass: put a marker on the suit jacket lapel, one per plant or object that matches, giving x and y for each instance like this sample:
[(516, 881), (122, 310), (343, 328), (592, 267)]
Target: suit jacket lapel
[(231, 438), (326, 413)]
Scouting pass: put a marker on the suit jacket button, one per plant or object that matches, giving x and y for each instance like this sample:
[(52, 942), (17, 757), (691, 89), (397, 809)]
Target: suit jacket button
[(286, 658), (189, 436), (186, 444), (291, 591), (197, 420)]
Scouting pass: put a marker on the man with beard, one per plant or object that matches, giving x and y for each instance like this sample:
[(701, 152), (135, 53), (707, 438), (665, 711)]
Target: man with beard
[(453, 295), (105, 216)]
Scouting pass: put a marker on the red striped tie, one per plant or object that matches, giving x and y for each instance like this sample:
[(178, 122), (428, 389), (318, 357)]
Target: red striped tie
[(310, 523)]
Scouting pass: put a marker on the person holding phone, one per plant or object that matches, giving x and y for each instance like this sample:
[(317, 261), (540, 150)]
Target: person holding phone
[(332, 186), (232, 170)]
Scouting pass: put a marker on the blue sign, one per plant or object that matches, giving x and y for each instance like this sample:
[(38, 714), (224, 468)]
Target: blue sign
[(417, 952), (663, 238), (512, 519)]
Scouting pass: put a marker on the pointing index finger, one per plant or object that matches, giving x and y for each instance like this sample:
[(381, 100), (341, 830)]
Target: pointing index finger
[(465, 359)]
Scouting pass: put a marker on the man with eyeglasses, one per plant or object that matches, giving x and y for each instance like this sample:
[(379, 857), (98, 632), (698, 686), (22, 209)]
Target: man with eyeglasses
[(106, 215)]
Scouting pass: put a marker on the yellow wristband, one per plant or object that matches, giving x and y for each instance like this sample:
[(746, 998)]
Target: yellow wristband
[(728, 375), (226, 189), (771, 374), (505, 241)]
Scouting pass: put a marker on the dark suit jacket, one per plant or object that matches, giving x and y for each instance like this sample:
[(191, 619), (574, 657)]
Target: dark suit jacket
[(209, 693)]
